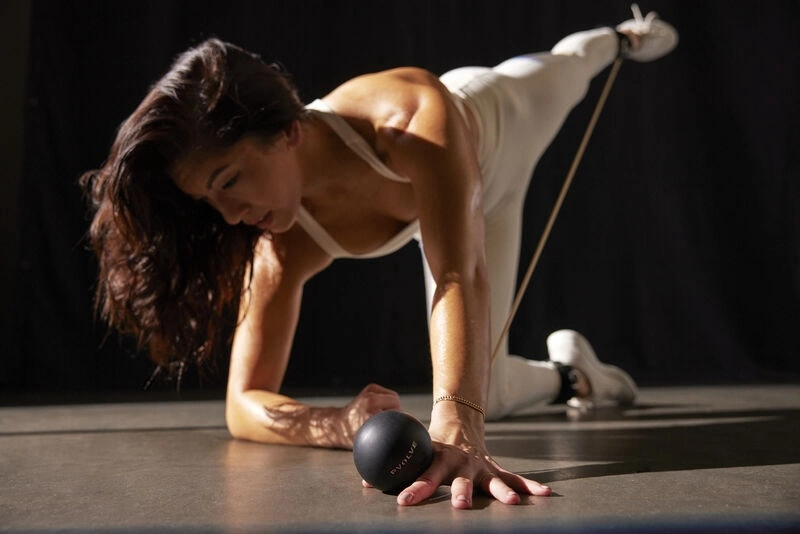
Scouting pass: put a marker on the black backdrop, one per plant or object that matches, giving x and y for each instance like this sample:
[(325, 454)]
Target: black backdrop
[(676, 252)]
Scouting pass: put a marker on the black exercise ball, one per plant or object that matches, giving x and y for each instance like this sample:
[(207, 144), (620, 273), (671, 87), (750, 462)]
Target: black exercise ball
[(391, 450)]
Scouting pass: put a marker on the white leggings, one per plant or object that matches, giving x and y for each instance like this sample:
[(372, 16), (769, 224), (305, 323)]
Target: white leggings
[(519, 106)]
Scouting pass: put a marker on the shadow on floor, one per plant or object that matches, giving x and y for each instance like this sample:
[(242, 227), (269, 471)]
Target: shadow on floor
[(625, 444)]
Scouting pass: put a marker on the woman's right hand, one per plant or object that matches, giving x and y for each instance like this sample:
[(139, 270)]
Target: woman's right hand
[(371, 400)]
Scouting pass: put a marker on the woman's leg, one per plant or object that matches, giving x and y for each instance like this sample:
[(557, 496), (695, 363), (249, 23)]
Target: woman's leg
[(540, 90), (516, 382), (520, 106)]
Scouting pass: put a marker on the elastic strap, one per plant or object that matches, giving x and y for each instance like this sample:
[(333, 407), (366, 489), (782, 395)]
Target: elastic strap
[(568, 380)]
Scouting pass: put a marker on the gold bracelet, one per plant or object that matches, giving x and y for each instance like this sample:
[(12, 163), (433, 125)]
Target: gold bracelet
[(461, 400)]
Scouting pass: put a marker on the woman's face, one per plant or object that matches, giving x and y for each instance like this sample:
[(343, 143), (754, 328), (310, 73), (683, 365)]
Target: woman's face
[(254, 182)]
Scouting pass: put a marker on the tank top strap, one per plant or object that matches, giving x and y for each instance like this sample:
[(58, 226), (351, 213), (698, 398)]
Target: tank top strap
[(320, 236), (353, 140), (357, 144)]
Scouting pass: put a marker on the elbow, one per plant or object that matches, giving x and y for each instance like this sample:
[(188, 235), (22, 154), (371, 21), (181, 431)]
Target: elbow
[(469, 288), (480, 275), (235, 419), (474, 277), (235, 430)]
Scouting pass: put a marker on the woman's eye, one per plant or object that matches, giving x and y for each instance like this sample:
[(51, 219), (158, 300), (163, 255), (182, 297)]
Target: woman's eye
[(230, 183)]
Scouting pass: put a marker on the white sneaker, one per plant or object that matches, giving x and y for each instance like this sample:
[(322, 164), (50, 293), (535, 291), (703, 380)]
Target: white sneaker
[(656, 37), (609, 383)]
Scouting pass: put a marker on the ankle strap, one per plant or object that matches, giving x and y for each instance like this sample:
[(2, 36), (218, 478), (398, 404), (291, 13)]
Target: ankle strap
[(568, 379), (624, 45)]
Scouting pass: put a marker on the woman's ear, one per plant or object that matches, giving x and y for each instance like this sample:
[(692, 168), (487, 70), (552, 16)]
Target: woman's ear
[(294, 134)]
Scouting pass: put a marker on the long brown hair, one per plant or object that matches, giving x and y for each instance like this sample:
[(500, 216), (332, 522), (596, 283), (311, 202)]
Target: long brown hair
[(170, 269)]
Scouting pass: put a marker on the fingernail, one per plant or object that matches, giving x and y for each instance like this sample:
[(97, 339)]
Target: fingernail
[(462, 498), (405, 498)]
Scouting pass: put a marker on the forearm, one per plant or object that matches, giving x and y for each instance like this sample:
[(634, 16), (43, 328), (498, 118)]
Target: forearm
[(460, 351), (267, 417)]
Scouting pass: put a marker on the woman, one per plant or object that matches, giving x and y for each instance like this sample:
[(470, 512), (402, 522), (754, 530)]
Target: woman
[(222, 189)]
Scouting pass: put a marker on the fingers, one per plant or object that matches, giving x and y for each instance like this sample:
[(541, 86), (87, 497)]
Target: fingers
[(377, 388), (534, 488), (495, 486), (461, 491), (505, 487), (427, 483), (417, 492), (379, 398), (389, 402)]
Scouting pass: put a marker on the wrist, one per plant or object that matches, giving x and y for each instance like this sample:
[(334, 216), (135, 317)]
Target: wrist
[(454, 422), (461, 400), (328, 427)]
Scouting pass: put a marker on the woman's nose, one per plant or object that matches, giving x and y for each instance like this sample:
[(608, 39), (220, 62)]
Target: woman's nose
[(232, 211)]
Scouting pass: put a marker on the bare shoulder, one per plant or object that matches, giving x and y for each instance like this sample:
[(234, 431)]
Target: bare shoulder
[(390, 84), (391, 100)]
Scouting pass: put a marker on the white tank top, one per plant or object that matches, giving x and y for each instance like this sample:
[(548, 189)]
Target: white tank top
[(357, 144)]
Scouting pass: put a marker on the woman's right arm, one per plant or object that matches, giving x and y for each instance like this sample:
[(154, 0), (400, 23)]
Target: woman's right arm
[(255, 410)]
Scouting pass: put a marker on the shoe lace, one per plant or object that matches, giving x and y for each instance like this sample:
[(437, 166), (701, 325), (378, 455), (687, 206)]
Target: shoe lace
[(643, 23)]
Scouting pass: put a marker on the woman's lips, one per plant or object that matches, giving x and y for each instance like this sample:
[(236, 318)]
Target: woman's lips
[(265, 222)]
